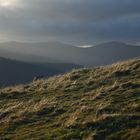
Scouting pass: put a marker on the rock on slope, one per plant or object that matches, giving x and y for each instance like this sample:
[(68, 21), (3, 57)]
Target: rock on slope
[(100, 103)]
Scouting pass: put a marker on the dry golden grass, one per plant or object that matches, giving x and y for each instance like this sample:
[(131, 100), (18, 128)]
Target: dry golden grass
[(100, 103)]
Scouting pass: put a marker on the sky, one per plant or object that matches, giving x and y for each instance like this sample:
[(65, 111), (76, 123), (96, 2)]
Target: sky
[(81, 22)]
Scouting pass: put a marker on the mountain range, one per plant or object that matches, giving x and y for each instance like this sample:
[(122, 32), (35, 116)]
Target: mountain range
[(56, 52), (21, 62)]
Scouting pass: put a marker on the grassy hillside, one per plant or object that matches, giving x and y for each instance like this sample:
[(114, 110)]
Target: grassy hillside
[(86, 104)]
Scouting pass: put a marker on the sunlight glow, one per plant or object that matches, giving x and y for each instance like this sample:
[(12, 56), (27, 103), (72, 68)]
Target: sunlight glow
[(7, 3)]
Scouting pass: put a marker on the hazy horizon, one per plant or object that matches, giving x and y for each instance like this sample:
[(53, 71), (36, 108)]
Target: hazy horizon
[(74, 45)]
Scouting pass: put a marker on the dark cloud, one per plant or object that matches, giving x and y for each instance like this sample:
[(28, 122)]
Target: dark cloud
[(75, 21)]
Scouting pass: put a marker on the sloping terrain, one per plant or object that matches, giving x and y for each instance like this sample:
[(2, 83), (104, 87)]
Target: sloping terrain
[(15, 72), (100, 103), (102, 54)]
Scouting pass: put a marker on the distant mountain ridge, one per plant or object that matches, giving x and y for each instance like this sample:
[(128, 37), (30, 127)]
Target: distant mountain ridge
[(56, 52)]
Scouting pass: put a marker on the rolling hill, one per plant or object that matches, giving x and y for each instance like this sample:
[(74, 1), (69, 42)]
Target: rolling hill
[(101, 54), (101, 103), (15, 72)]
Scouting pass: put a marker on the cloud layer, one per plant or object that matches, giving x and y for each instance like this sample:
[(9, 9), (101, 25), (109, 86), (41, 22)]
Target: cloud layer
[(73, 21)]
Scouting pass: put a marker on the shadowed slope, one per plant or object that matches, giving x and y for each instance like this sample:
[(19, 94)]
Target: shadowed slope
[(15, 72)]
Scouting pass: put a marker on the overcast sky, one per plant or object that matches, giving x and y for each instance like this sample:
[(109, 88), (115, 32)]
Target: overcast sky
[(82, 22)]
